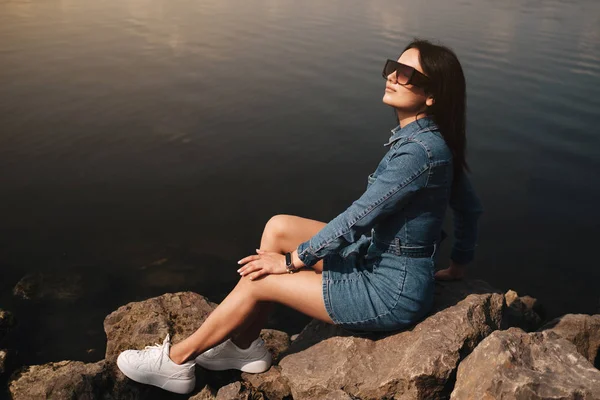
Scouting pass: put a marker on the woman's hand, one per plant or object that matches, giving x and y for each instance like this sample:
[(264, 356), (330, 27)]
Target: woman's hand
[(454, 272), (265, 262)]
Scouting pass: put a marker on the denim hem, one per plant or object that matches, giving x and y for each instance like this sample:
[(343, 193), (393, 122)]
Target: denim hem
[(325, 283), (369, 321)]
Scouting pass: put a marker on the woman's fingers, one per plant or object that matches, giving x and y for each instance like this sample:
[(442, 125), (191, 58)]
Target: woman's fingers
[(252, 272), (441, 275), (248, 259), (256, 274), (446, 275), (248, 268)]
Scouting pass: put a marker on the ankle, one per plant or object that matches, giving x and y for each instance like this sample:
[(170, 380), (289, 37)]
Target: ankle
[(177, 357), (241, 343)]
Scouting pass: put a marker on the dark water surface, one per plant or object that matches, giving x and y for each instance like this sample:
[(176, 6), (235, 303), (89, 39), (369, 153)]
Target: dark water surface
[(144, 144)]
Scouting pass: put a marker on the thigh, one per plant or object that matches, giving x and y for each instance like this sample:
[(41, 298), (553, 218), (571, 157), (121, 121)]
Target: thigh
[(302, 291), (290, 231)]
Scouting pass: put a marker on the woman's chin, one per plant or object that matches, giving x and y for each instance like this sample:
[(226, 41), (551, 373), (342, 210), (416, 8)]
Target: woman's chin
[(386, 100)]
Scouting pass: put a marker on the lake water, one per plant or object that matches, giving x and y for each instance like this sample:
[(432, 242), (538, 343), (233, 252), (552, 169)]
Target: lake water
[(144, 144)]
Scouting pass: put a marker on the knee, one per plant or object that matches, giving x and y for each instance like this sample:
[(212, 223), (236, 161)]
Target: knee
[(277, 226), (250, 288)]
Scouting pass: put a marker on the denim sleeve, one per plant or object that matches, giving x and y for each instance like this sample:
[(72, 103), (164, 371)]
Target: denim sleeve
[(403, 176), (466, 209)]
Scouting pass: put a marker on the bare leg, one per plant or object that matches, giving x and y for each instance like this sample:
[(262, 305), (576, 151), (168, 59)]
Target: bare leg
[(281, 234), (250, 329), (301, 291)]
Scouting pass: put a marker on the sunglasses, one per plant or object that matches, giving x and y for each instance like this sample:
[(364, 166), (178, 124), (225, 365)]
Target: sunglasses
[(405, 74)]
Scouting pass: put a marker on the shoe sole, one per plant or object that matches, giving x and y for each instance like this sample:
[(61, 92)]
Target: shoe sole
[(222, 364), (180, 386)]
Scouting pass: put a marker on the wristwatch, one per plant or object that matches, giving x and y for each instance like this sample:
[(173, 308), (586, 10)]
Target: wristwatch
[(288, 263)]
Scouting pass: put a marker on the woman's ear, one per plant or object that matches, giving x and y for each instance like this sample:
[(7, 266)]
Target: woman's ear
[(430, 101)]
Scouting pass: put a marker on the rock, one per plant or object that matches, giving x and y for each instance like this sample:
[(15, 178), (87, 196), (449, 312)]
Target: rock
[(533, 304), (76, 380), (7, 322), (338, 395), (513, 364), (521, 312), (580, 329), (418, 363), (117, 386), (136, 325), (204, 394), (237, 391), (69, 285), (3, 355), (143, 323), (323, 362), (276, 342), (59, 380), (270, 382)]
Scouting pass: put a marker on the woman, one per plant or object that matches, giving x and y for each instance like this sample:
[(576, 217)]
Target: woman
[(383, 281)]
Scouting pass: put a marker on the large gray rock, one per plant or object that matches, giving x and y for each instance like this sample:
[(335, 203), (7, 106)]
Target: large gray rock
[(205, 394), (270, 383), (324, 361), (277, 342), (417, 363), (136, 325), (62, 380), (524, 312), (236, 391), (96, 381), (513, 364), (580, 329)]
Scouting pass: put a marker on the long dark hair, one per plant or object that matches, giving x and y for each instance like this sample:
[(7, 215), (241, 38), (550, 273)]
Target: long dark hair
[(448, 88)]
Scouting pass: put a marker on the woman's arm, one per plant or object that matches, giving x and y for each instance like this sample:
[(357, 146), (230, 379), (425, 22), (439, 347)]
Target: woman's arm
[(404, 175), (466, 208)]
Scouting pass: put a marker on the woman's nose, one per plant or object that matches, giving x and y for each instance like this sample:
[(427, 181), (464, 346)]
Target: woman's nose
[(392, 77)]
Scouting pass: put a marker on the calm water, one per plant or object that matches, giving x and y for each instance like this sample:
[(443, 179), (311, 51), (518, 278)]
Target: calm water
[(144, 144)]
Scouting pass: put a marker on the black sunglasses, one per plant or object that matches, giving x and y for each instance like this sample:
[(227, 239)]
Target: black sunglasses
[(405, 74)]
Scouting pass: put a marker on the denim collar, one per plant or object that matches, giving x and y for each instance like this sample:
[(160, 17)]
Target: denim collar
[(420, 125)]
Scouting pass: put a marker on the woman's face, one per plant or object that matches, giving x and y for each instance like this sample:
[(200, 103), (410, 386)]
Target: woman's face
[(407, 99)]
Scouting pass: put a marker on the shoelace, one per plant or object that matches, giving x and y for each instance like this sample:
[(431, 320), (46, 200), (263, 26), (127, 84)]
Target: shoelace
[(150, 350)]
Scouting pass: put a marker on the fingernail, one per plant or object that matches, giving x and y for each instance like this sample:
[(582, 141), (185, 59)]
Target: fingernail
[(257, 250), (239, 262), (237, 270)]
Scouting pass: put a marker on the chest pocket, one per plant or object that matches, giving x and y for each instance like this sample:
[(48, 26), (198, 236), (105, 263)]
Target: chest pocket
[(371, 179)]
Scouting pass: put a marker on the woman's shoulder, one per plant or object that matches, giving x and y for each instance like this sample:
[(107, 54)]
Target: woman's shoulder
[(431, 142)]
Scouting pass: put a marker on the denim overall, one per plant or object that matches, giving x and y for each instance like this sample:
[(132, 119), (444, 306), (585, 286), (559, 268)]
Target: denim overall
[(378, 268)]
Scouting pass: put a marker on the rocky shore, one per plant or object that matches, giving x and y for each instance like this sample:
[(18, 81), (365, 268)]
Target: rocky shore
[(477, 343)]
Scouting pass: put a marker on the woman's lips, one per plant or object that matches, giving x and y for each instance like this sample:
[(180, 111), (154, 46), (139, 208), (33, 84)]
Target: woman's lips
[(389, 89)]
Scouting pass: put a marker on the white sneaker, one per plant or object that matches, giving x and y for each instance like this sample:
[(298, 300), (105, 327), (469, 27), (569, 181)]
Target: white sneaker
[(154, 367), (255, 359)]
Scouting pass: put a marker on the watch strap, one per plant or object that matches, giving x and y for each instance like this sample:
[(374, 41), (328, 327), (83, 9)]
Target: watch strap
[(288, 263)]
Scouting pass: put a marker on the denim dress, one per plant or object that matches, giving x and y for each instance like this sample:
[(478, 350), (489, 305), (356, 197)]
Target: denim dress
[(378, 255)]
